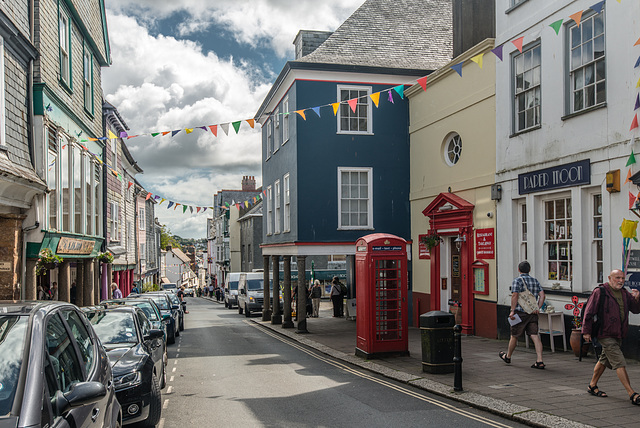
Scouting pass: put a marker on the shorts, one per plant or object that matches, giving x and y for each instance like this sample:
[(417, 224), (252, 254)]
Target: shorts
[(611, 356), (529, 324)]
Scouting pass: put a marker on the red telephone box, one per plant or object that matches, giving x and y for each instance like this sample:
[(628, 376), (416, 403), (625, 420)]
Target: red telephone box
[(381, 295)]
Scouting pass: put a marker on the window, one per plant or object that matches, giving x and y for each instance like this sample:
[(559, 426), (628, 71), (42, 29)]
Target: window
[(64, 188), (287, 203), (277, 204), (269, 140), (88, 194), (558, 239), (129, 236), (269, 211), (358, 121), (115, 222), (66, 369), (143, 252), (53, 169), (64, 27), (452, 149), (114, 152), (587, 63), (285, 120), (249, 258), (597, 238), (77, 189), (3, 142), (527, 74), (276, 130), (141, 218), (355, 201), (82, 337), (88, 80), (522, 211), (97, 193)]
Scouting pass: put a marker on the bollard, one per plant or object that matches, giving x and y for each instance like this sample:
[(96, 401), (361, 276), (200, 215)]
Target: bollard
[(457, 358)]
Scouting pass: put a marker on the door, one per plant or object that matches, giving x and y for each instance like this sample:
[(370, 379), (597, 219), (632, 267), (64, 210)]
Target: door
[(388, 299), (456, 281)]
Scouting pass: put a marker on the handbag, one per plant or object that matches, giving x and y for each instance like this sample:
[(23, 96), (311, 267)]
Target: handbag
[(527, 301)]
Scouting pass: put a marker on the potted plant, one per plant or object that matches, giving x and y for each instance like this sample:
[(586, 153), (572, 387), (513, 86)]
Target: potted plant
[(46, 261), (105, 257), (431, 240)]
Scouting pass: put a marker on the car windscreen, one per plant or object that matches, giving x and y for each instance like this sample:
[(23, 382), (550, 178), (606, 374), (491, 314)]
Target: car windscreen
[(255, 284), (161, 301), (147, 308), (174, 299), (233, 285), (114, 327), (12, 341)]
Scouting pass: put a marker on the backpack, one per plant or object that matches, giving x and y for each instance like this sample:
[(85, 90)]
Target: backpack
[(343, 289), (599, 316)]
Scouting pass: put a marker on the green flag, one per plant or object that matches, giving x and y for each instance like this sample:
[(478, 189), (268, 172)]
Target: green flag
[(556, 25), (631, 160)]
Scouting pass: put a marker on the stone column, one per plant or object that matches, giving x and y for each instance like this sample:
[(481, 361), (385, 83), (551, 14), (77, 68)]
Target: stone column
[(107, 268), (266, 306), (88, 281), (276, 316), (287, 323), (64, 281), (301, 311), (80, 283), (31, 281), (96, 281)]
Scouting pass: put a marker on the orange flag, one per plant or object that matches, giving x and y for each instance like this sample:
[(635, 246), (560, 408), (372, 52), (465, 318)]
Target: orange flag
[(423, 82), (576, 17), (637, 43), (335, 106), (628, 177), (518, 43), (148, 196), (301, 113), (251, 123), (353, 103), (165, 133)]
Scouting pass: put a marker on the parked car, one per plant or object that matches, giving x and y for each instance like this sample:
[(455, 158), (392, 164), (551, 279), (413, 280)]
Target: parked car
[(53, 369), (136, 354), (170, 286), (181, 309), (189, 292), (251, 293), (231, 289), (169, 313)]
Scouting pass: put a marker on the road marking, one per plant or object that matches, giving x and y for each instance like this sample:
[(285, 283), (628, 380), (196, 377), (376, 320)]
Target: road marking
[(388, 384), (174, 370), (178, 350), (171, 380), (169, 390), (177, 355), (175, 362), (161, 423), (166, 404)]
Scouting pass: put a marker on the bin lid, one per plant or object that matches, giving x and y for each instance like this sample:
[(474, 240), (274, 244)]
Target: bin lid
[(437, 319)]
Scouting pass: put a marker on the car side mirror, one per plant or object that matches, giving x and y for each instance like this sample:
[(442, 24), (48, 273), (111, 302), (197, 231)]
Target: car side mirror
[(154, 333), (81, 394)]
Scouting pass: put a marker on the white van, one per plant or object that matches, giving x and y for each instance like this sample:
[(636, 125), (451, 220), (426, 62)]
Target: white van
[(251, 292), (231, 289)]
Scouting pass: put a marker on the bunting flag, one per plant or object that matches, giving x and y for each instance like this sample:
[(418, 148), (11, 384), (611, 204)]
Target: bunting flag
[(236, 126), (577, 17), (390, 97), (457, 68), (556, 26), (225, 128), (173, 133), (637, 63), (161, 201), (214, 130), (353, 103), (189, 130), (155, 134), (637, 102), (478, 59), (184, 209), (165, 133), (170, 205), (246, 204), (637, 42), (638, 84), (497, 52), (335, 106), (316, 110), (176, 206), (301, 113), (634, 123), (375, 97), (518, 43), (632, 200), (130, 184), (628, 180), (252, 123), (111, 135), (148, 196), (422, 82), (124, 134), (191, 209), (400, 90), (631, 160)]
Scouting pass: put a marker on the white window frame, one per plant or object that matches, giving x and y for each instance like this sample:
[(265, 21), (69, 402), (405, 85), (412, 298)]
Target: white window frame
[(564, 284), (114, 152), (3, 141), (276, 130), (87, 79), (527, 101), (269, 139), (285, 120), (585, 22), (597, 232), (143, 253), (269, 211), (522, 229), (344, 107), (115, 222), (276, 202), (369, 172), (141, 218), (64, 47), (287, 202), (452, 146)]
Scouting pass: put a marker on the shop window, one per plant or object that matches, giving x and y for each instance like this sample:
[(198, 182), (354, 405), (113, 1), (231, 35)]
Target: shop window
[(88, 175), (526, 82), (356, 121), (97, 194), (522, 211), (64, 187), (355, 202), (52, 181), (77, 189), (452, 149), (558, 239), (597, 238)]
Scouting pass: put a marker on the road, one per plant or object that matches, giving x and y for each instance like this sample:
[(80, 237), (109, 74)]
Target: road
[(227, 371)]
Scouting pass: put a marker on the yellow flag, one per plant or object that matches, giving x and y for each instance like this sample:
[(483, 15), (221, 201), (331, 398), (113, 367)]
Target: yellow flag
[(189, 130), (628, 228), (301, 113), (112, 135), (478, 59), (375, 98), (335, 106)]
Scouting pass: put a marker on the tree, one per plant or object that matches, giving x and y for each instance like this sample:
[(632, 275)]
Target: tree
[(167, 239)]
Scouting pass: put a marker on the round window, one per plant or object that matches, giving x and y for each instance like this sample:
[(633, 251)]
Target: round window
[(453, 149)]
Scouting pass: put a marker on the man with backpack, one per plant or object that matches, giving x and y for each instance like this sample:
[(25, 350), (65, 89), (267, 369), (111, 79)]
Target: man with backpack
[(337, 291), (609, 321)]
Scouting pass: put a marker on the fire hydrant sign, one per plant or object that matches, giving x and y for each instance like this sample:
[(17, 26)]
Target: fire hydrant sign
[(485, 248)]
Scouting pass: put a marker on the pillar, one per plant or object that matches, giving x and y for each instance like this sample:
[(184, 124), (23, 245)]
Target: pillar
[(64, 281), (107, 269), (96, 281), (30, 283), (266, 309), (88, 281), (80, 278), (276, 316), (301, 311), (287, 323)]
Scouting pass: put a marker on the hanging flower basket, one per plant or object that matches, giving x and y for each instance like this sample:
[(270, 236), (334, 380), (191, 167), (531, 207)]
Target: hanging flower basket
[(431, 240), (47, 261), (105, 257)]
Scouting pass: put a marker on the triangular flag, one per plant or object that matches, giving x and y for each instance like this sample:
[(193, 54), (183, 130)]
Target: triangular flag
[(198, 209), (191, 209), (335, 106), (251, 122), (226, 204), (129, 186), (173, 133), (225, 128), (391, 97), (246, 204), (353, 103), (204, 128), (264, 192), (112, 136), (131, 136), (316, 110), (597, 8), (176, 206), (238, 207), (576, 17), (184, 209), (498, 52), (556, 26), (637, 102), (638, 84), (637, 62), (634, 123), (156, 197), (204, 209), (189, 130), (423, 82), (214, 130), (123, 134), (155, 134), (301, 113), (170, 205), (148, 196), (518, 43), (628, 177), (632, 200), (637, 43), (458, 68), (478, 59), (375, 97), (400, 90), (161, 201), (236, 125), (165, 133), (632, 158)]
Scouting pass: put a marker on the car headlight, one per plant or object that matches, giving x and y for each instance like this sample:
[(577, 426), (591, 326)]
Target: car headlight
[(251, 299), (127, 380)]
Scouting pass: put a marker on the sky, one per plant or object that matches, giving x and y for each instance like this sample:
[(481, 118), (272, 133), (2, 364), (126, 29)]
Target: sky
[(191, 63)]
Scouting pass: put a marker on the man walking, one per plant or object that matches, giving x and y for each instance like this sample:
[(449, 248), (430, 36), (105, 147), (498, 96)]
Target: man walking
[(528, 321), (614, 324)]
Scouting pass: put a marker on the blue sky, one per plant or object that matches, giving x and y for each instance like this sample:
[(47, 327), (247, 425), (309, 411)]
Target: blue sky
[(191, 63)]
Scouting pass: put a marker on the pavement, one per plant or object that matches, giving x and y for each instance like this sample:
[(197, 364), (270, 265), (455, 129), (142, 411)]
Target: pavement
[(554, 397)]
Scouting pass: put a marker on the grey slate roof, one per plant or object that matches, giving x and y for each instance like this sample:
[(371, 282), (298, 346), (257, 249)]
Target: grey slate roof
[(409, 34)]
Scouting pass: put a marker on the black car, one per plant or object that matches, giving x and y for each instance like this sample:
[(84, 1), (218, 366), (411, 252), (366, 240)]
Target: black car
[(169, 312), (136, 354), (53, 371), (176, 306), (175, 300)]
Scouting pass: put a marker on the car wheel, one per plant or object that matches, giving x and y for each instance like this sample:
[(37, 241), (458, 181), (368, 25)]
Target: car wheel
[(246, 311), (240, 309), (172, 337), (155, 404), (177, 328), (226, 305), (230, 305), (163, 378)]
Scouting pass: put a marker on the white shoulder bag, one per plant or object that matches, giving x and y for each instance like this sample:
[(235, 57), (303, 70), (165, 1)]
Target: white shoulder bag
[(527, 301)]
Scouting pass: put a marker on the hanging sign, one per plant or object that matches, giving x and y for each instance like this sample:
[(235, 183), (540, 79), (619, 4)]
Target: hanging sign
[(75, 246), (485, 247), (571, 174)]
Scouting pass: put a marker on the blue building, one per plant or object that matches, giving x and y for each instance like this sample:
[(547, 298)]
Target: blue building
[(342, 171)]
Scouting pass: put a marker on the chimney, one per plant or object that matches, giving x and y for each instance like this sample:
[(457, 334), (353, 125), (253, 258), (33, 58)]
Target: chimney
[(473, 21), (248, 183), (307, 41)]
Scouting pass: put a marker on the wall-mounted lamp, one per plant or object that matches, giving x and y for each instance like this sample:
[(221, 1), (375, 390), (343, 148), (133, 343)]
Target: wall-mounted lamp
[(459, 240)]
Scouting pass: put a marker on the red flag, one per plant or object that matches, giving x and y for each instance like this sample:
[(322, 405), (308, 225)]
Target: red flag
[(130, 184), (214, 129), (634, 124), (198, 209), (353, 103), (423, 82), (148, 196), (632, 200), (518, 43)]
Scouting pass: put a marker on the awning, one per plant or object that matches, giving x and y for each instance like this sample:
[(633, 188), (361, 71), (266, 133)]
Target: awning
[(165, 280)]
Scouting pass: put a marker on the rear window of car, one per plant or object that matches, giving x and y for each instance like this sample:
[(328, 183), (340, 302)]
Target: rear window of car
[(161, 301), (12, 334), (148, 310), (114, 327)]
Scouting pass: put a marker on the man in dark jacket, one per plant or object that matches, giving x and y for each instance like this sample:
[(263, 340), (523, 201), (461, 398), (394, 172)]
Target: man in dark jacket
[(614, 324)]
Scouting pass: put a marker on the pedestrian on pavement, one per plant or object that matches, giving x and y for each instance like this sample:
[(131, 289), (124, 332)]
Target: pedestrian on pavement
[(135, 290), (54, 291), (72, 293), (614, 324), (316, 294), (336, 297), (41, 293), (115, 291), (529, 322)]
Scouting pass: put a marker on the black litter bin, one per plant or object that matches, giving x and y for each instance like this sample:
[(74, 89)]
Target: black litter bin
[(436, 333)]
